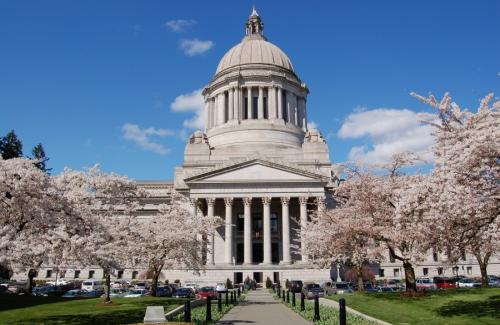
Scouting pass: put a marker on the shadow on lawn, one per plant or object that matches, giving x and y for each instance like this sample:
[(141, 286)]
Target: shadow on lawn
[(481, 308), (111, 317), (9, 302)]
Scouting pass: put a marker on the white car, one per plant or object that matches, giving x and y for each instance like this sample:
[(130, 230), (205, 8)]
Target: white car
[(136, 293), (193, 286), (141, 285), (468, 283), (221, 287), (59, 282)]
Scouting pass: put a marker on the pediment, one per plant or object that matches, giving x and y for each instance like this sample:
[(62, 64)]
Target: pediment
[(256, 171)]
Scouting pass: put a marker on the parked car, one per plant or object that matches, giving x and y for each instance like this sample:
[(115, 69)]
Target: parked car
[(342, 287), (141, 285), (221, 287), (193, 286), (311, 290), (386, 289), (74, 293), (183, 293), (296, 286), (205, 292), (395, 284), (425, 284), (368, 287), (468, 283), (45, 290), (445, 283), (91, 285), (94, 293), (136, 293), (163, 291), (493, 281), (115, 292), (58, 282)]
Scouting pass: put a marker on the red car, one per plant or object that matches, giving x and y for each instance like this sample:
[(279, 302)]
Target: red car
[(445, 283), (205, 292)]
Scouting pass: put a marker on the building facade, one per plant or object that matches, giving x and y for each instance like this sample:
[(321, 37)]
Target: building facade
[(260, 167)]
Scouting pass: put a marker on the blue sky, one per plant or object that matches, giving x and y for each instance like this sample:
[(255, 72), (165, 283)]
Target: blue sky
[(94, 81)]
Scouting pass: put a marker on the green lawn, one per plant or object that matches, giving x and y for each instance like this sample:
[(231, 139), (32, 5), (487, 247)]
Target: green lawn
[(56, 310), (461, 306)]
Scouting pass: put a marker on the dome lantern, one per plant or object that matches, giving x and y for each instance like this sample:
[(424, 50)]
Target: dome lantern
[(254, 25)]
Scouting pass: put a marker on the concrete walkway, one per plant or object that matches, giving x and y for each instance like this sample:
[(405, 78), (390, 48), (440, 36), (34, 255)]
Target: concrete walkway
[(259, 308)]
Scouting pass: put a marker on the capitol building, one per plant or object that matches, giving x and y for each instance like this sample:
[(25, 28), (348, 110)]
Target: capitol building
[(260, 168)]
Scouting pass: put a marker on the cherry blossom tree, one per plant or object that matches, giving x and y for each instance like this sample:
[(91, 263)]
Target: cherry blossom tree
[(173, 237), (465, 181)]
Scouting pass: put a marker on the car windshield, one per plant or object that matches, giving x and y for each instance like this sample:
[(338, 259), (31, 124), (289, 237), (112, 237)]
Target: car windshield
[(182, 290), (87, 283), (207, 289), (313, 286), (342, 286), (426, 281), (136, 292)]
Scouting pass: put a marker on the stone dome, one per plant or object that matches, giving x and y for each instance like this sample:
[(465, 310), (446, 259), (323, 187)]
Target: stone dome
[(254, 49)]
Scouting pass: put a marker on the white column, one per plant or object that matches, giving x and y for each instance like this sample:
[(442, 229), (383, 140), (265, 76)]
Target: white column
[(230, 109), (211, 237), (285, 222), (247, 231), (216, 111), (260, 104), (280, 103), (288, 106), (293, 102), (249, 99), (236, 110), (228, 257), (305, 114), (194, 206), (207, 114), (221, 114), (303, 223), (271, 94), (266, 202)]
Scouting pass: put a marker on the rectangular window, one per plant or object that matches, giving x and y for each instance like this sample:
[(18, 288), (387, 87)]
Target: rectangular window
[(134, 275), (274, 222), (77, 274), (425, 271), (396, 273), (463, 256), (240, 222), (440, 271), (48, 273), (469, 270), (434, 256), (119, 275), (381, 273), (455, 270), (91, 274), (391, 257)]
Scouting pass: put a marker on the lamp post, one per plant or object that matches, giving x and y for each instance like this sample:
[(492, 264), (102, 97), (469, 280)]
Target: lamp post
[(338, 279)]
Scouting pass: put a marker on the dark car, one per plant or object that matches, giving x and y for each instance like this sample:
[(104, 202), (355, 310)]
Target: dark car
[(164, 291), (296, 286), (311, 290), (44, 291), (183, 293)]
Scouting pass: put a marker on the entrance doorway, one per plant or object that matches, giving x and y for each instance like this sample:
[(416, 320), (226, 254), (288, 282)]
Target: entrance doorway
[(276, 277), (239, 253), (257, 276), (257, 252), (238, 277)]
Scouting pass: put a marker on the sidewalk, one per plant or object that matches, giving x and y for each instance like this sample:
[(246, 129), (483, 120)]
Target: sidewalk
[(260, 308)]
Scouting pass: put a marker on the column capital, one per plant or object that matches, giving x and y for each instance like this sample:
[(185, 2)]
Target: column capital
[(303, 199), (210, 201), (266, 200), (193, 201), (247, 201), (228, 201), (285, 200)]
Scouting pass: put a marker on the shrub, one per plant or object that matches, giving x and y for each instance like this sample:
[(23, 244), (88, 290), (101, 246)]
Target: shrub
[(229, 284), (287, 284), (166, 282), (177, 281), (269, 283)]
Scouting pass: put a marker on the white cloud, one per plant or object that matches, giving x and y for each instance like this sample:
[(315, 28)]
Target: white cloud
[(179, 25), (390, 131), (312, 125), (143, 137), (192, 102), (192, 47)]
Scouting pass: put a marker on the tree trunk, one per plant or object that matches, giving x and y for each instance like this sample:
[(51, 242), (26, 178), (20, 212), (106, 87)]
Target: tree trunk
[(483, 266), (107, 299), (409, 277), (359, 274), (154, 283), (31, 275)]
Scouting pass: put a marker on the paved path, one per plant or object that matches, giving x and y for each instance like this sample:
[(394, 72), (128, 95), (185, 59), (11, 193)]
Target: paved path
[(261, 308)]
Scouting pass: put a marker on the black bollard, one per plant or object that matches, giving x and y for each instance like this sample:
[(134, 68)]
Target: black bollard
[(209, 309), (342, 314), (302, 302), (279, 292), (187, 312), (316, 308), (227, 298), (231, 296), (219, 302), (283, 295), (293, 299), (288, 296), (239, 292), (274, 288)]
